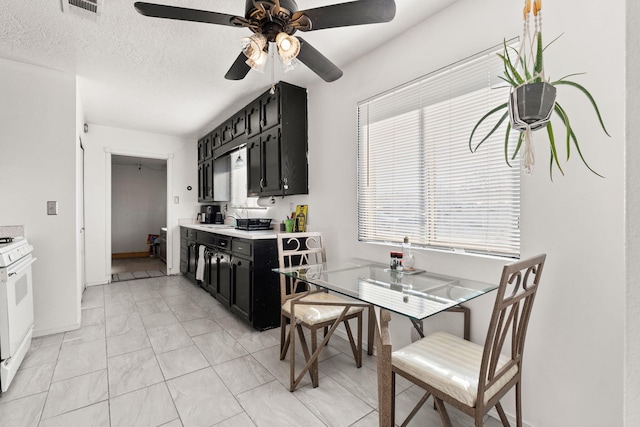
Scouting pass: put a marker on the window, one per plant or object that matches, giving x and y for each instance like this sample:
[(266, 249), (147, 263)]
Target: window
[(416, 175)]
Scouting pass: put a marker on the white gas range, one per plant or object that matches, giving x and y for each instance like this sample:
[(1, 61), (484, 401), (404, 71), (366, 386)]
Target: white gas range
[(16, 306)]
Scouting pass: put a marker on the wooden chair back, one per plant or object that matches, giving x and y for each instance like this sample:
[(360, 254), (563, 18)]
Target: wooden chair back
[(509, 321), (298, 249)]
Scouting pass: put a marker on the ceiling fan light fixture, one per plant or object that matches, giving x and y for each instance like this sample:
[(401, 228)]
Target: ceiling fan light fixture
[(289, 65), (259, 63), (253, 46), (288, 46)]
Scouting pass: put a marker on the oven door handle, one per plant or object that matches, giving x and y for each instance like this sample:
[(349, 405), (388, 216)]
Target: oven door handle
[(22, 267)]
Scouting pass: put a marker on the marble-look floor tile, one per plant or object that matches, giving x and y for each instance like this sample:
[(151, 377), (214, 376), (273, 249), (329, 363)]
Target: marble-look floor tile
[(96, 415), (92, 316), (140, 274), (181, 361), (84, 334), (145, 294), (202, 398), (156, 273), (81, 359), (178, 300), (75, 393), (119, 308), (371, 420), (362, 382), (236, 327), (240, 420), (40, 355), (169, 291), (155, 305), (133, 371), (242, 374), (159, 319), (257, 341), (54, 339), (174, 423), (126, 343), (332, 403), (270, 359), (151, 406), (123, 324), (200, 326), (169, 337), (24, 412), (29, 381), (189, 311), (125, 276), (218, 347), (271, 402)]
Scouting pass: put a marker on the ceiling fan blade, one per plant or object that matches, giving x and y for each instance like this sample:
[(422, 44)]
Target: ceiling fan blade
[(239, 69), (183, 14), (346, 14), (317, 62)]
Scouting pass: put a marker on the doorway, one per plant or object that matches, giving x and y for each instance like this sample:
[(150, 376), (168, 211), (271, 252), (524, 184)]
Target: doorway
[(138, 217)]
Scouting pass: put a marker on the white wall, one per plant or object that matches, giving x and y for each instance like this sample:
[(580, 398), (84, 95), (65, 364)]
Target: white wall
[(138, 206), (575, 341), (100, 143), (38, 163)]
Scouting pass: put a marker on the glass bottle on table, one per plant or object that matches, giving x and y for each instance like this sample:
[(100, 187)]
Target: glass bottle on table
[(408, 260)]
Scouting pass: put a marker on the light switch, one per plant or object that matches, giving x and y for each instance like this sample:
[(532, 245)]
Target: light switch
[(52, 208)]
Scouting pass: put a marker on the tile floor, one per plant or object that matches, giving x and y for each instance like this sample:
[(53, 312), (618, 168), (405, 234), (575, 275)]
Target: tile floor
[(123, 269), (162, 352)]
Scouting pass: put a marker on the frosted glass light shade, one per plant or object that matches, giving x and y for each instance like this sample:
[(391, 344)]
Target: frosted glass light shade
[(253, 47), (288, 47)]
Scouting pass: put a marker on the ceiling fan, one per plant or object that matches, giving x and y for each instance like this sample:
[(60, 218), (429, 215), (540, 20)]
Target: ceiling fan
[(276, 21)]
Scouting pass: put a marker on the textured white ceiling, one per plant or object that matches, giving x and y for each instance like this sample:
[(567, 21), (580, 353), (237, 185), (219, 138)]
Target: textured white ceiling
[(164, 76)]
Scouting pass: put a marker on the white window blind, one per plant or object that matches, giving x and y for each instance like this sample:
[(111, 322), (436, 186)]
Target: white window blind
[(416, 175)]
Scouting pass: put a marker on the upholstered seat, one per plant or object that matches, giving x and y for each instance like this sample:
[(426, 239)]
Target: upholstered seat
[(450, 364), (468, 376), (303, 249), (314, 314)]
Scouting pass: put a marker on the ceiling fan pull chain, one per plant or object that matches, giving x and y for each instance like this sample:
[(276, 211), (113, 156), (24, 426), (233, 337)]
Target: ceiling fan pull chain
[(273, 84)]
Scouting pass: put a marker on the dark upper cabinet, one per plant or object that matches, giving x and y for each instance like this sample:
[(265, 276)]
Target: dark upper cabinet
[(205, 181), (270, 105), (252, 118), (205, 148), (274, 128)]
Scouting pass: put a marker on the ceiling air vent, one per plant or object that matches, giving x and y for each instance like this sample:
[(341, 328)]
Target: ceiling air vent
[(90, 9)]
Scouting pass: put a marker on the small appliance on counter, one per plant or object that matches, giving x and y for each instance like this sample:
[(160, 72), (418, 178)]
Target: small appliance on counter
[(210, 214), (251, 224)]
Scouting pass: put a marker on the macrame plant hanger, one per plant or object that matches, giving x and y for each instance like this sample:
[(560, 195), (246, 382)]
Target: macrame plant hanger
[(527, 53)]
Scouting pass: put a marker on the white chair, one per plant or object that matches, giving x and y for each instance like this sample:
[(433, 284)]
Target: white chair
[(468, 376), (300, 249)]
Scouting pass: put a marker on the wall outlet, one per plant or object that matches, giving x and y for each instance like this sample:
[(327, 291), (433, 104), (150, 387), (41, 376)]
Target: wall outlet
[(176, 200), (52, 208)]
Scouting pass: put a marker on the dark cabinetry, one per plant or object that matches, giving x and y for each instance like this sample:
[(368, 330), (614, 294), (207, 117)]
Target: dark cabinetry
[(277, 157), (237, 272), (274, 128)]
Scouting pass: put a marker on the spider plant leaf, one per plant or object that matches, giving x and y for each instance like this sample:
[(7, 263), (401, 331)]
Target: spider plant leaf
[(552, 144), (575, 141), (511, 73), (518, 145), (493, 111), (506, 144), (565, 119), (538, 66), (588, 95), (567, 76)]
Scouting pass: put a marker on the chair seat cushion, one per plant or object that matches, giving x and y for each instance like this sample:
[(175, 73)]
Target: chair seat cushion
[(449, 364), (314, 314)]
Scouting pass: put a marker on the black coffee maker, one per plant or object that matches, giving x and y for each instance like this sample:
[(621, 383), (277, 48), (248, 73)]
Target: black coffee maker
[(210, 214)]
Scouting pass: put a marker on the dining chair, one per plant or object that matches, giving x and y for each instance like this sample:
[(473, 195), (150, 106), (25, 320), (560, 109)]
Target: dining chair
[(472, 377), (296, 249)]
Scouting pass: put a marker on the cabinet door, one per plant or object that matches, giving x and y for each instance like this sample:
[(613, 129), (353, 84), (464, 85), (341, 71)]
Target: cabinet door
[(241, 287), (271, 172), (192, 254), (227, 131), (254, 168), (238, 124), (208, 147), (270, 110), (252, 119), (202, 183), (223, 287), (201, 149), (210, 271), (184, 256), (216, 139), (209, 197)]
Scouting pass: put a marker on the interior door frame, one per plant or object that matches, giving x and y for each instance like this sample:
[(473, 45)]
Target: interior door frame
[(108, 162)]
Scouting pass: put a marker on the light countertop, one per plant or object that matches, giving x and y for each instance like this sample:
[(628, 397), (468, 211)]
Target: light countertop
[(229, 230)]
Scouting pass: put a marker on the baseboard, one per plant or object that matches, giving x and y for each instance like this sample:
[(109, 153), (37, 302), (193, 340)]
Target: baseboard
[(130, 255), (51, 331), (512, 420)]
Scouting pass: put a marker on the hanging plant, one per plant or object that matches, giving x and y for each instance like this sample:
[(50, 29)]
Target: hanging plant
[(532, 101)]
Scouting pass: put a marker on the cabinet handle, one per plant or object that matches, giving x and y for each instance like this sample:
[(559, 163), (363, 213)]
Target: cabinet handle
[(261, 183)]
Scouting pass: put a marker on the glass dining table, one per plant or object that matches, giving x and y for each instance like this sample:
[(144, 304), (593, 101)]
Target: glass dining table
[(415, 294)]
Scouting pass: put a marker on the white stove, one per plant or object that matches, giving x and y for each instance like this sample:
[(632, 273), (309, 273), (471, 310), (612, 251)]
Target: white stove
[(16, 306)]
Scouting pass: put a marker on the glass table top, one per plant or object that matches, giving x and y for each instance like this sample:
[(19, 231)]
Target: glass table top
[(417, 295)]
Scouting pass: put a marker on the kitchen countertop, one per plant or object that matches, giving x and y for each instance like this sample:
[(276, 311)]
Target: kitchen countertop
[(229, 230)]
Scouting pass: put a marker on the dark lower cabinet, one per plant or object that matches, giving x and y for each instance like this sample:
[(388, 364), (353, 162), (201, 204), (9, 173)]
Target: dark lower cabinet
[(241, 284), (237, 272)]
